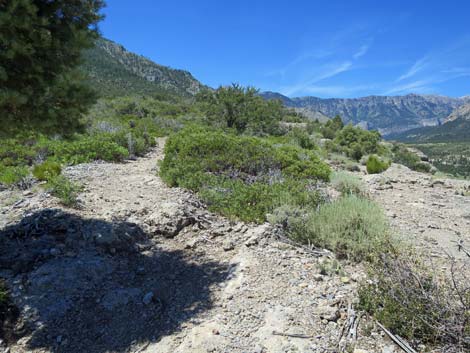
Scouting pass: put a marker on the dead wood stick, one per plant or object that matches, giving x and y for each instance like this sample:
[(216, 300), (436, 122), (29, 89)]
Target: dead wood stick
[(398, 340), (296, 335)]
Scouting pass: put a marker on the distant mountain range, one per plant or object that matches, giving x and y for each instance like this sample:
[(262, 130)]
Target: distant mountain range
[(456, 128), (114, 71), (389, 115)]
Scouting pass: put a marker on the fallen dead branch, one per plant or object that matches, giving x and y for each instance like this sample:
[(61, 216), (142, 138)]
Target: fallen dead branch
[(295, 335), (398, 340)]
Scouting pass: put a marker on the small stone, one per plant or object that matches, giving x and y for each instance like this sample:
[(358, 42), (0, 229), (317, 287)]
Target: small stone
[(388, 349), (318, 277), (215, 332), (27, 193), (148, 298), (191, 244), (357, 350), (345, 280), (252, 241), (228, 245)]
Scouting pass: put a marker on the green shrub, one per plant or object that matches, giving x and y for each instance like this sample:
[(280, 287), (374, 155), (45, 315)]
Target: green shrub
[(12, 175), (242, 110), (402, 155), (16, 152), (356, 142), (64, 189), (188, 154), (46, 170), (252, 202), (352, 227), (413, 301), (375, 165), (348, 184), (243, 177), (301, 138), (88, 148), (332, 127)]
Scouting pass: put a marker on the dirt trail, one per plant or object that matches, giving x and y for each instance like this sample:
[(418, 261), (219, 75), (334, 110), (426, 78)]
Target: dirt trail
[(432, 213), (146, 268)]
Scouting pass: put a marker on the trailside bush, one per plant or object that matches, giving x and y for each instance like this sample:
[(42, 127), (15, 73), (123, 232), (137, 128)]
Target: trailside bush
[(12, 175), (417, 303), (238, 176), (46, 170), (375, 165), (402, 155), (64, 189), (352, 227), (246, 158), (87, 149), (252, 202), (356, 142), (348, 184)]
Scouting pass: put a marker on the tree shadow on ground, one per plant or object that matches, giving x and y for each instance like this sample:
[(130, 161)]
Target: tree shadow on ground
[(86, 285)]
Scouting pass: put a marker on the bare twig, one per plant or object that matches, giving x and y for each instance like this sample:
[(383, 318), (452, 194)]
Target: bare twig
[(398, 340), (296, 335), (309, 249), (460, 247)]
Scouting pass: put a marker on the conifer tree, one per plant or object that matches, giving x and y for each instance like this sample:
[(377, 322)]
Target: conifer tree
[(41, 42)]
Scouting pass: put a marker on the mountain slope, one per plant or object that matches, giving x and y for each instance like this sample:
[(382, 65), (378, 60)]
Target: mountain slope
[(387, 114), (456, 128), (114, 71)]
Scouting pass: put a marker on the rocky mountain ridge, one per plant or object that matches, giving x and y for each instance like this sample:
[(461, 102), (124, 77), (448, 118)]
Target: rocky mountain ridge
[(462, 112), (455, 128), (388, 114), (113, 70)]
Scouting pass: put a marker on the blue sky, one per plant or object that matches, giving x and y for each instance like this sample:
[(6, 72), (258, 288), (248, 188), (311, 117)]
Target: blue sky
[(317, 48)]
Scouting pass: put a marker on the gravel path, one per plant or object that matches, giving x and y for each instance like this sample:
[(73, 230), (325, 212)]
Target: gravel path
[(146, 268), (432, 213)]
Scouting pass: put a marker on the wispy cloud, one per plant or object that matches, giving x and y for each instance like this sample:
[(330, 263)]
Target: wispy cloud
[(428, 85), (335, 91), (419, 86), (418, 66), (299, 59), (362, 51), (325, 72)]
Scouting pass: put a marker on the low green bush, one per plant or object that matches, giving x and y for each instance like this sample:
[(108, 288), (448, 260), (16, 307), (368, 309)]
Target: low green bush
[(64, 189), (301, 138), (12, 175), (239, 176), (375, 165), (252, 202), (88, 148), (348, 184), (356, 142), (352, 227), (250, 159), (413, 301), (402, 155), (46, 170)]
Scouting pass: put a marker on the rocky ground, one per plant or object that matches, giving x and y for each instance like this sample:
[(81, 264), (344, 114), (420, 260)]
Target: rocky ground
[(433, 213), (141, 267)]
